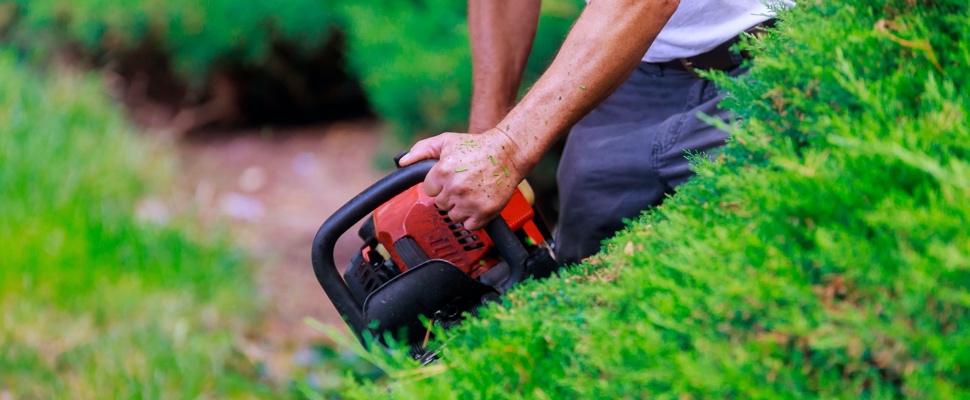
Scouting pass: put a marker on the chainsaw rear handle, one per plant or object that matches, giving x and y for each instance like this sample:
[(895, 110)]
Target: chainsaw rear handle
[(366, 202)]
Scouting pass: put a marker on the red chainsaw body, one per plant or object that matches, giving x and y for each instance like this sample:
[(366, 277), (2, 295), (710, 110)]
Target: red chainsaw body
[(413, 214)]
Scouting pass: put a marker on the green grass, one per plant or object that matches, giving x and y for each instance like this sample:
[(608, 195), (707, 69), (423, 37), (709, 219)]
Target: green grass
[(94, 303), (825, 254)]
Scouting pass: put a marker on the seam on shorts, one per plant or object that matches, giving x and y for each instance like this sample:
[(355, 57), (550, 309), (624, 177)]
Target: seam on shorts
[(671, 136), (655, 153)]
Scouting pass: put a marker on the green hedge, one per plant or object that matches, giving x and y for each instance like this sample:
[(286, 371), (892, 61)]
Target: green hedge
[(93, 302), (826, 254), (412, 57), (196, 34)]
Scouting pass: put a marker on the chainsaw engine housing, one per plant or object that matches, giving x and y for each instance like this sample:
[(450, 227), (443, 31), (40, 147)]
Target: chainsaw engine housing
[(416, 266), (409, 231)]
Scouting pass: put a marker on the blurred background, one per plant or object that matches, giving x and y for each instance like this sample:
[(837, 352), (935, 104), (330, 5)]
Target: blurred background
[(165, 165)]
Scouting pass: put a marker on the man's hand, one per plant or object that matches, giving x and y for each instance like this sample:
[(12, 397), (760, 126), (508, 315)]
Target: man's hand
[(475, 176)]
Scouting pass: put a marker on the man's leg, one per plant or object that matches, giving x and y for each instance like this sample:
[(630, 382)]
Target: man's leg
[(628, 154)]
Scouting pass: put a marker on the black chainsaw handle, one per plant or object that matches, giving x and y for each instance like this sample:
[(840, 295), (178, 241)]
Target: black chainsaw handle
[(366, 202)]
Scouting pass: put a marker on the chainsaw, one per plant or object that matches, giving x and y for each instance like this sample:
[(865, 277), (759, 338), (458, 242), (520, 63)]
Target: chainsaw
[(417, 267)]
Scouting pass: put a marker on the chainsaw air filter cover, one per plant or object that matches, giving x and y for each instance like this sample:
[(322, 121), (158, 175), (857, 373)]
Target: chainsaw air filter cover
[(414, 230)]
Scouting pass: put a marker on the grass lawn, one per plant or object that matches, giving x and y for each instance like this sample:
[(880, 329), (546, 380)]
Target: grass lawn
[(95, 303)]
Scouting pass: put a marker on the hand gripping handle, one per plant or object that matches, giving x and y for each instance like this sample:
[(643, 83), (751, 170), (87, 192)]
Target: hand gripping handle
[(366, 202)]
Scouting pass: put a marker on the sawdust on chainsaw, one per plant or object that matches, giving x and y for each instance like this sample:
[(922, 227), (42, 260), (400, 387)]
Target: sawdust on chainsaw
[(275, 189)]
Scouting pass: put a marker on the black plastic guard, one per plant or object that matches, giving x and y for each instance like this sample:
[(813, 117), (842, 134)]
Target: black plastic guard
[(433, 286)]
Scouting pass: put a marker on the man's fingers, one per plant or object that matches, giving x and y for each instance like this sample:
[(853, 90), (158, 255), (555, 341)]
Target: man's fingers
[(443, 203), (432, 183), (432, 189), (457, 215), (423, 150), (447, 180), (473, 223)]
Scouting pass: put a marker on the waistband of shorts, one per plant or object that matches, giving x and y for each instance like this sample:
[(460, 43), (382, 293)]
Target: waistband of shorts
[(722, 57)]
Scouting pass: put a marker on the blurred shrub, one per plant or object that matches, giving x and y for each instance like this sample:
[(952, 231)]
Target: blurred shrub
[(413, 57), (826, 255), (197, 34), (256, 62), (93, 302), (413, 60)]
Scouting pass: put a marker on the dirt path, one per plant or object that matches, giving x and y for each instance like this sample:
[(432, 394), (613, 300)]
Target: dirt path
[(275, 190)]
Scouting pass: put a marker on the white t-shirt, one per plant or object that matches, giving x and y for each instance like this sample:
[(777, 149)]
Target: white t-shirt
[(700, 25)]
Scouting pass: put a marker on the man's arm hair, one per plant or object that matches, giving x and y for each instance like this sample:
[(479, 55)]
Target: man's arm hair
[(601, 51), (502, 32)]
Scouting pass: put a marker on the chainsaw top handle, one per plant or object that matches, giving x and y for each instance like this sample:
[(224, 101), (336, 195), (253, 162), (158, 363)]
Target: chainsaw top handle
[(366, 202)]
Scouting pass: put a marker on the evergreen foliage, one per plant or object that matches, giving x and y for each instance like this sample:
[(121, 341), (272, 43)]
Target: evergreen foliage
[(824, 254), (412, 57), (195, 34)]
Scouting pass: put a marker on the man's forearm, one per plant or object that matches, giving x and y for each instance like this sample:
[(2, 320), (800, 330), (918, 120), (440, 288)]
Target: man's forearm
[(502, 32), (603, 48), (477, 174)]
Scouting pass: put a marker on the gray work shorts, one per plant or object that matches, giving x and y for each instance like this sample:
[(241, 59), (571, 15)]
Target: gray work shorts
[(628, 154)]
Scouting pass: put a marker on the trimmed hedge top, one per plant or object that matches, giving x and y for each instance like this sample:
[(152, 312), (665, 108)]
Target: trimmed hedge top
[(825, 254)]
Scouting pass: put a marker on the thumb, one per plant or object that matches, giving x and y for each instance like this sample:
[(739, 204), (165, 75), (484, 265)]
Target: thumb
[(422, 150)]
